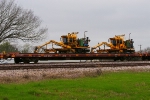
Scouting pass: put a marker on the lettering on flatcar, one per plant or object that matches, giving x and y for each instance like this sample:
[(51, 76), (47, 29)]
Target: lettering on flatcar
[(128, 55), (47, 55), (63, 55)]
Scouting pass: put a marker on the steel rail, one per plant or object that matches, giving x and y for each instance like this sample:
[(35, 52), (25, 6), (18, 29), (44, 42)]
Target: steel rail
[(70, 65)]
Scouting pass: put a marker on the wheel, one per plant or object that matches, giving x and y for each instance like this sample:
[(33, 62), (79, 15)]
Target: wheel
[(16, 60), (26, 60), (36, 60), (122, 59)]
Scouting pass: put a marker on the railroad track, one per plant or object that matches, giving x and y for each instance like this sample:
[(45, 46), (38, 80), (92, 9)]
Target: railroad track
[(72, 65)]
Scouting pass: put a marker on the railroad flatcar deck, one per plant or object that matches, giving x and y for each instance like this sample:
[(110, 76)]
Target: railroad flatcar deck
[(34, 57)]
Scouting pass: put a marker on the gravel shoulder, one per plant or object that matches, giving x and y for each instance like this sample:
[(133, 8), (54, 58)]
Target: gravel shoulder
[(10, 76)]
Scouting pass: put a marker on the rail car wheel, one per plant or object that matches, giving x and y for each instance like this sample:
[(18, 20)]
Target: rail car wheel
[(115, 59), (36, 60), (122, 58), (26, 60), (129, 58), (16, 60)]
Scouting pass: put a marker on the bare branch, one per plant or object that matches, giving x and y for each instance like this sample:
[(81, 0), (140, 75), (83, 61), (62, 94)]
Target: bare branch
[(18, 23)]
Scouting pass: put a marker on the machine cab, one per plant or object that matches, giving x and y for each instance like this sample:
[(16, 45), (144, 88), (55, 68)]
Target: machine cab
[(114, 41), (64, 39)]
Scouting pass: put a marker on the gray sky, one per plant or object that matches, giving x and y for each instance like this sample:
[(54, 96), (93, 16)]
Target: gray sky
[(101, 18)]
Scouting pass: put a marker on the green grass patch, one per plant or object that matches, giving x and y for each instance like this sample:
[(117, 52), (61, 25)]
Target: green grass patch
[(108, 86)]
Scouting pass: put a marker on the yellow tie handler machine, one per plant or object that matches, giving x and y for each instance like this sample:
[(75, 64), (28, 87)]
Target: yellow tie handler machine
[(69, 43), (116, 44)]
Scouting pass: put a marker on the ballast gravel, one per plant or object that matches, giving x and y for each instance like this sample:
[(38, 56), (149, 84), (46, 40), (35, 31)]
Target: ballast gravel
[(8, 76)]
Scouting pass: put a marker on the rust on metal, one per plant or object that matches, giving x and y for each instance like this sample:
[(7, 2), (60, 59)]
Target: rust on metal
[(30, 55), (13, 55), (77, 55), (1, 55), (73, 56)]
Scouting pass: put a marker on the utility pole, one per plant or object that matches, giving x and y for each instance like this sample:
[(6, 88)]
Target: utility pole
[(140, 48)]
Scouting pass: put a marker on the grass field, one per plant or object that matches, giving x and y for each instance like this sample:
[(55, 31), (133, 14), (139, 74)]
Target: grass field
[(108, 86)]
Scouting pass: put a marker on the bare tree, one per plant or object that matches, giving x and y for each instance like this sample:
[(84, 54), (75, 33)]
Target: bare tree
[(19, 23), (146, 50), (26, 48)]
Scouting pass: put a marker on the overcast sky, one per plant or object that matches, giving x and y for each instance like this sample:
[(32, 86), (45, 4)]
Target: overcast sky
[(101, 18)]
